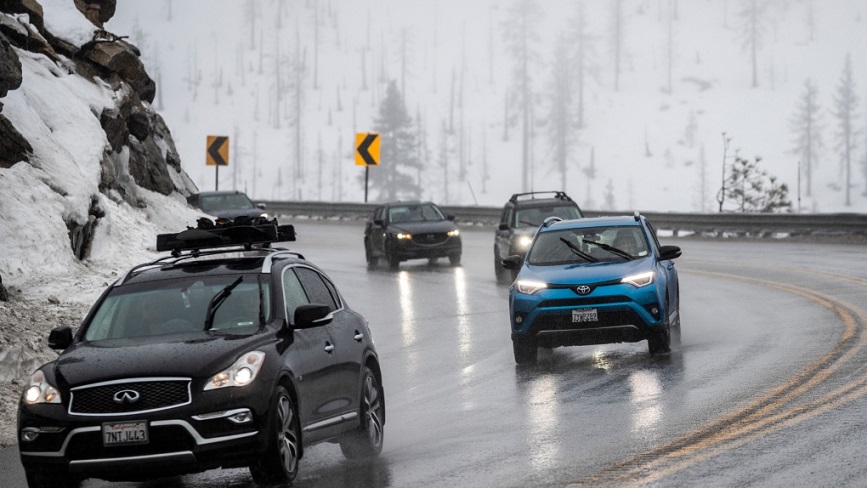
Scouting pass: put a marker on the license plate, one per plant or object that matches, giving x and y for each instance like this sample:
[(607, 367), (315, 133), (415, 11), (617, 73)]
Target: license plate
[(585, 315), (125, 433)]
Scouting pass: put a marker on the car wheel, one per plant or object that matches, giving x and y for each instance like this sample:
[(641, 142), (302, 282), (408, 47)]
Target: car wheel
[(393, 260), (455, 259), (659, 341), (280, 461), (525, 350), (50, 480), (372, 260), (366, 441)]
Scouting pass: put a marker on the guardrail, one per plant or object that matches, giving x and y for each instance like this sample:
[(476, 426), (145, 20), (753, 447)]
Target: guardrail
[(717, 224)]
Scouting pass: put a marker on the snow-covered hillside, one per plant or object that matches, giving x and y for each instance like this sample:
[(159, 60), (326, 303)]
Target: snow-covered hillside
[(226, 67)]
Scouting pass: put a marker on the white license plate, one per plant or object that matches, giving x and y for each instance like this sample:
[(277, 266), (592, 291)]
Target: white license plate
[(125, 433), (585, 315)]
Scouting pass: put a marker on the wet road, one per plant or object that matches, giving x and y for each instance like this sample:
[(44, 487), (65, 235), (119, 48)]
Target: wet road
[(767, 389)]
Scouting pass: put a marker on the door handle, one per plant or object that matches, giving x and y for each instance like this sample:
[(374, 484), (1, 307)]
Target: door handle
[(358, 336), (329, 347)]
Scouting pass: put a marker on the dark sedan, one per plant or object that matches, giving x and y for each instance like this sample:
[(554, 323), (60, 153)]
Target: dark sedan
[(399, 231), (203, 360), (227, 204)]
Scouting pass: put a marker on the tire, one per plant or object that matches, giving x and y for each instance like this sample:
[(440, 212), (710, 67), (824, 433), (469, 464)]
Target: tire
[(366, 441), (500, 272), (279, 464), (50, 480), (659, 341), (455, 259), (372, 260), (393, 260), (524, 350)]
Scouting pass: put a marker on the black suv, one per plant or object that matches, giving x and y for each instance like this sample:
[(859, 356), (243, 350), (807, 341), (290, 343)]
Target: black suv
[(521, 216), (399, 231), (227, 353), (227, 204)]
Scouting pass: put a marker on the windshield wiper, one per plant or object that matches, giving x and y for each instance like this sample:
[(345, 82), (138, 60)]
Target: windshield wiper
[(218, 300), (574, 249), (613, 250)]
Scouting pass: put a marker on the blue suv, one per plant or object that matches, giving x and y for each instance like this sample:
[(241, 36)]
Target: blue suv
[(594, 281)]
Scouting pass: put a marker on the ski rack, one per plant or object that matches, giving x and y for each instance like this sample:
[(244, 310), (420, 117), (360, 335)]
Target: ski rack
[(244, 232), (559, 195)]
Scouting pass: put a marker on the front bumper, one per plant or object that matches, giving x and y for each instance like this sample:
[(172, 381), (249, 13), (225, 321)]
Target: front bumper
[(418, 249), (623, 314), (186, 439)]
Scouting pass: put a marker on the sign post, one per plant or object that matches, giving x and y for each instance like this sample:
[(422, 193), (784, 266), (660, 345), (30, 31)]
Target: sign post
[(217, 154), (366, 154)]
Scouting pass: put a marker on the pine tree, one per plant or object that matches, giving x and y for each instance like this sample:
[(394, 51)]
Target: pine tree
[(395, 177), (751, 26), (521, 38), (845, 109), (806, 124), (561, 132), (753, 190)]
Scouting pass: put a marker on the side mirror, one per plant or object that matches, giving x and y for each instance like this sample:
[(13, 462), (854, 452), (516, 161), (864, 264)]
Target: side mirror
[(450, 217), (669, 252), (312, 315), (260, 206), (503, 226), (60, 337), (513, 262)]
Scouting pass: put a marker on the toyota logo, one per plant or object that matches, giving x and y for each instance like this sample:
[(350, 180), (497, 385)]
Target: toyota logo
[(583, 289), (126, 396)]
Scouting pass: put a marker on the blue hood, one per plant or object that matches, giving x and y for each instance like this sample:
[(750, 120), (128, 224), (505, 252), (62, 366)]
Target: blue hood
[(586, 273)]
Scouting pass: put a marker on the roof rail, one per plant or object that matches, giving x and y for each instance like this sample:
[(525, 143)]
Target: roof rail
[(551, 220), (558, 194)]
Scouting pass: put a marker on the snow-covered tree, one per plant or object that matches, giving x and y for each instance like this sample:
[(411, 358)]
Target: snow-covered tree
[(754, 190)]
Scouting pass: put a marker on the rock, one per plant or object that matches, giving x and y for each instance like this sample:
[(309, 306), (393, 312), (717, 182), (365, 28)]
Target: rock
[(113, 54), (4, 295), (53, 299), (97, 11), (10, 67), (14, 147)]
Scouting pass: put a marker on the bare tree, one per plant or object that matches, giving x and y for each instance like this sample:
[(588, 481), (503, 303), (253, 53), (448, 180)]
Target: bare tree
[(845, 110), (582, 43), (806, 125), (560, 130)]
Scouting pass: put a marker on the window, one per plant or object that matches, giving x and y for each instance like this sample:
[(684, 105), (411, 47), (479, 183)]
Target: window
[(317, 291), (293, 293)]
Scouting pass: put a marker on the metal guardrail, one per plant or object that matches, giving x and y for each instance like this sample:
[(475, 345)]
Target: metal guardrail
[(747, 224)]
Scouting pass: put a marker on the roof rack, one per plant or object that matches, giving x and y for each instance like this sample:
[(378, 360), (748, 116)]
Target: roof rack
[(558, 194)]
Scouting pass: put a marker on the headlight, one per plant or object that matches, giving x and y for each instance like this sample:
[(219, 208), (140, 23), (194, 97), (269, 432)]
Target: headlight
[(523, 242), (242, 373), (454, 233), (40, 391), (639, 280), (403, 235), (529, 286)]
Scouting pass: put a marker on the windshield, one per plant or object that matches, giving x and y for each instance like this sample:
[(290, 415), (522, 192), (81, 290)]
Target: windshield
[(229, 201), (588, 245), (415, 213), (178, 306), (535, 216)]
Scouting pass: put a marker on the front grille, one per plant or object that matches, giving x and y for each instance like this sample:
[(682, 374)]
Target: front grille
[(606, 319), (584, 302), (430, 238), (155, 394)]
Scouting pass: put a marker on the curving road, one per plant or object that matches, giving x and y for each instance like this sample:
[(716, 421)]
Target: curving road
[(768, 388)]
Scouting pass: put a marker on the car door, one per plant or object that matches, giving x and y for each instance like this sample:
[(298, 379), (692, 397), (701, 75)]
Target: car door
[(504, 233), (375, 232), (313, 361), (345, 332)]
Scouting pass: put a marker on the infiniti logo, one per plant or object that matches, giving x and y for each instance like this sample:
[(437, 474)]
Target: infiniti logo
[(583, 289), (126, 396)]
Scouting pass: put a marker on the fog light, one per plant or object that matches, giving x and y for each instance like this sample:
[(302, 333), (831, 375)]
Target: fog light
[(241, 417), (29, 434), (519, 319), (654, 311)]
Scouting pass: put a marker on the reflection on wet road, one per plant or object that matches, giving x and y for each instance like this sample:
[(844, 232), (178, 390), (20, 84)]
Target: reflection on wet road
[(770, 370)]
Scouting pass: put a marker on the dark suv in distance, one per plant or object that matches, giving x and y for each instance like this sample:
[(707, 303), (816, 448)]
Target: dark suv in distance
[(226, 353), (227, 204), (399, 231), (521, 216)]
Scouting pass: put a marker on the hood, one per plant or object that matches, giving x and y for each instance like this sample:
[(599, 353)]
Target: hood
[(197, 354), (586, 272), (425, 227)]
